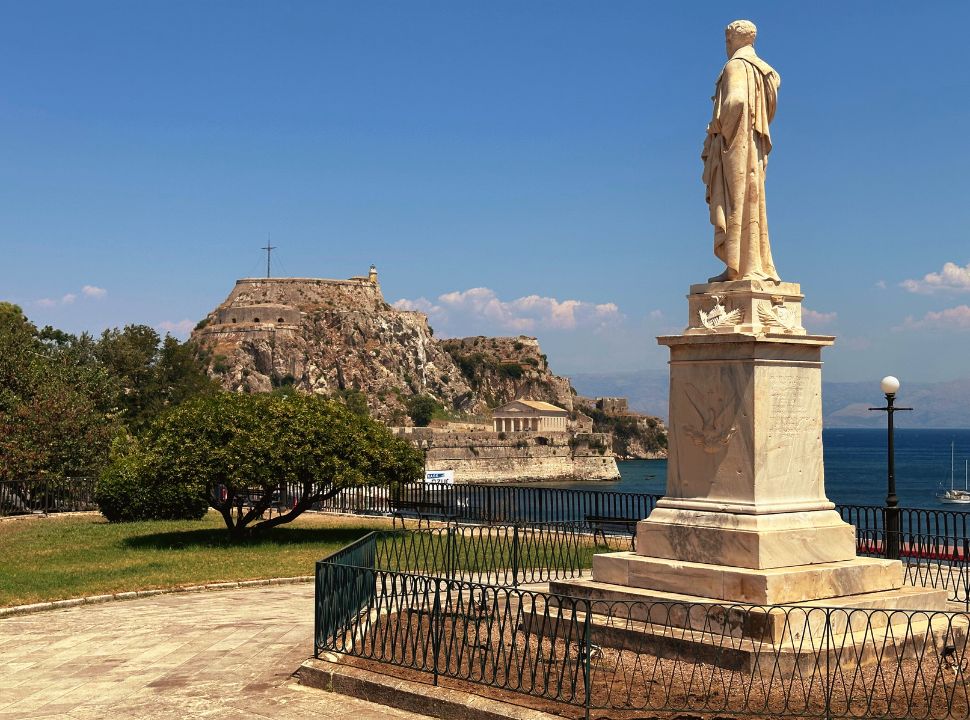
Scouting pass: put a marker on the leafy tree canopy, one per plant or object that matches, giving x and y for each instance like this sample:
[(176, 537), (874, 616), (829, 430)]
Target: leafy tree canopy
[(151, 374), (248, 453), (52, 401), (63, 396)]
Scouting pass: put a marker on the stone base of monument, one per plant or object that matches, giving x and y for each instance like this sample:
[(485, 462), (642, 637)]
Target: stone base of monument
[(738, 539), (745, 550), (751, 638), (772, 586)]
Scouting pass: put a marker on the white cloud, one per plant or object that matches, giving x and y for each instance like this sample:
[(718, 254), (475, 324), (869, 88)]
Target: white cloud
[(814, 318), (88, 291), (520, 315), (955, 318), (952, 278), (656, 314), (421, 304), (92, 291), (881, 284), (180, 328)]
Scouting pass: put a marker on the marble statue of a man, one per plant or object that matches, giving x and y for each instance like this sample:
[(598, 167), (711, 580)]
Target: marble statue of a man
[(735, 157)]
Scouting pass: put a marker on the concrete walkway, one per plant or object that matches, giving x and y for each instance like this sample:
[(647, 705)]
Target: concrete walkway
[(219, 655)]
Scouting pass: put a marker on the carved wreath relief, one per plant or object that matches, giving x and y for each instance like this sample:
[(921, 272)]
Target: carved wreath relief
[(719, 315), (712, 410), (777, 313)]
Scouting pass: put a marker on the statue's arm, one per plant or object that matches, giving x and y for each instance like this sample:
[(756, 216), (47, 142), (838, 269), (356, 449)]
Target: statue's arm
[(732, 99)]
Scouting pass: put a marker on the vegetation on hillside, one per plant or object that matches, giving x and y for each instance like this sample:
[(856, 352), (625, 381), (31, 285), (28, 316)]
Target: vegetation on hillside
[(630, 432), (502, 369)]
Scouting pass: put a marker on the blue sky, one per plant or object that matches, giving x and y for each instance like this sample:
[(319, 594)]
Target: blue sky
[(511, 166)]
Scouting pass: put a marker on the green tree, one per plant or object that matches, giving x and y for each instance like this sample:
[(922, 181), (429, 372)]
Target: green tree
[(151, 374), (421, 408), (53, 402), (246, 453)]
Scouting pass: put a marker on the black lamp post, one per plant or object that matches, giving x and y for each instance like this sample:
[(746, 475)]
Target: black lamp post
[(889, 386)]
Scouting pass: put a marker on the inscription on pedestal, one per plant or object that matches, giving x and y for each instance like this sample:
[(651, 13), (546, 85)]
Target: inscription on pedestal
[(791, 404)]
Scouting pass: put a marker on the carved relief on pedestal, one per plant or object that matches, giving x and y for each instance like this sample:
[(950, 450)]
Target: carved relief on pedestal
[(778, 313), (749, 307), (713, 410), (718, 315)]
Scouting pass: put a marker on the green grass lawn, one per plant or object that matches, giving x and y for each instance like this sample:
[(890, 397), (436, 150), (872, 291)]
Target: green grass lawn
[(69, 556)]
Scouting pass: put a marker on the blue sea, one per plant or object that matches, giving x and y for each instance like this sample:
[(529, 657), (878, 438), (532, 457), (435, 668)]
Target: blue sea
[(855, 467)]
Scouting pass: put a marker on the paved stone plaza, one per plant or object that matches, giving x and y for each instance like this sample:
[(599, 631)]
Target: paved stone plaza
[(213, 655)]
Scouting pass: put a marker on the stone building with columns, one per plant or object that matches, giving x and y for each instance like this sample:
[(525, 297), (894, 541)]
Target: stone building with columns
[(529, 416)]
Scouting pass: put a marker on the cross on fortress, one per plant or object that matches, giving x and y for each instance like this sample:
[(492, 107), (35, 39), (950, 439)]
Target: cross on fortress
[(269, 249)]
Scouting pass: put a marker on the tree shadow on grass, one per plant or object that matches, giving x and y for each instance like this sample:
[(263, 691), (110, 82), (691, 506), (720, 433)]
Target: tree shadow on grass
[(219, 538)]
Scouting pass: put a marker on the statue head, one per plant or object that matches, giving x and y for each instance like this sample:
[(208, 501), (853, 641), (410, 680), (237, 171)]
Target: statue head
[(738, 34)]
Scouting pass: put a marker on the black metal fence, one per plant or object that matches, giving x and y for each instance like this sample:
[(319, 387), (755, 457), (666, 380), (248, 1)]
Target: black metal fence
[(458, 624), (531, 504), (493, 503), (935, 544), (22, 497)]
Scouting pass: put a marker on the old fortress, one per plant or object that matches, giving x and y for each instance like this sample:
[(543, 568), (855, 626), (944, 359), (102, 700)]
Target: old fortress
[(512, 418)]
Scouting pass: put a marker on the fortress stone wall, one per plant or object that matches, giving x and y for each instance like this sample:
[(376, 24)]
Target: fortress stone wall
[(306, 293), (262, 313), (258, 308), (478, 457)]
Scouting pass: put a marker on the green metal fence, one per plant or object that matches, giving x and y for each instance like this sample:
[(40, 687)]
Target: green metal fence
[(439, 606)]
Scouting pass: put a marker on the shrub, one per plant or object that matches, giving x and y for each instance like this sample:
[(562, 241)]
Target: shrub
[(510, 370), (422, 408), (133, 487)]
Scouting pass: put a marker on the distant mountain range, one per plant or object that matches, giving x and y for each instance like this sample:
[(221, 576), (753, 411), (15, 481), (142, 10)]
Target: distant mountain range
[(935, 405)]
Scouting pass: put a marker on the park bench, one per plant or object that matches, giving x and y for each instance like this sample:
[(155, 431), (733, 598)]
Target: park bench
[(420, 509), (249, 498), (599, 524)]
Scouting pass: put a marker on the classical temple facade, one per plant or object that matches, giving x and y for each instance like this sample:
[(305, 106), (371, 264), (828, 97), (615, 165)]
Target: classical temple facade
[(529, 415)]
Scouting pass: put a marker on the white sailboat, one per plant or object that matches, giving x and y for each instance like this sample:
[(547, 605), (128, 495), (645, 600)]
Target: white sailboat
[(953, 495)]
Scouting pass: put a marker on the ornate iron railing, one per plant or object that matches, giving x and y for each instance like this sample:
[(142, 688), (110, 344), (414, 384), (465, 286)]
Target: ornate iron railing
[(456, 625)]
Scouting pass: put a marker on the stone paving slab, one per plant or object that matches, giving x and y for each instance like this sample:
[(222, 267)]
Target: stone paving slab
[(210, 655)]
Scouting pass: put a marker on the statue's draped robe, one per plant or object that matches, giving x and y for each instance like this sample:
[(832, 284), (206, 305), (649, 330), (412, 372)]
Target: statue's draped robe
[(735, 158)]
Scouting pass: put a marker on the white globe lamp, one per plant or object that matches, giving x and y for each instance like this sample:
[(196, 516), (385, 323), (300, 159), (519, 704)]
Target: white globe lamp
[(889, 385)]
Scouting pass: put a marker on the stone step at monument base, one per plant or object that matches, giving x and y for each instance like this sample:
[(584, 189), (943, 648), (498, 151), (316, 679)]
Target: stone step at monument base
[(744, 540), (770, 586), (812, 649), (792, 623)]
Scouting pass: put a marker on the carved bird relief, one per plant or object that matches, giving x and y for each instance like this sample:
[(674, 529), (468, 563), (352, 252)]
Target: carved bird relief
[(713, 413), (719, 315)]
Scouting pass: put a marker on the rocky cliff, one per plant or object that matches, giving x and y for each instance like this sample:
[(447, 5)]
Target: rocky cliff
[(327, 336), (338, 336), (503, 369)]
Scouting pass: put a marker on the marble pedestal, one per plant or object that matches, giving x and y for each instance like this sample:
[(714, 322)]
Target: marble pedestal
[(745, 518)]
